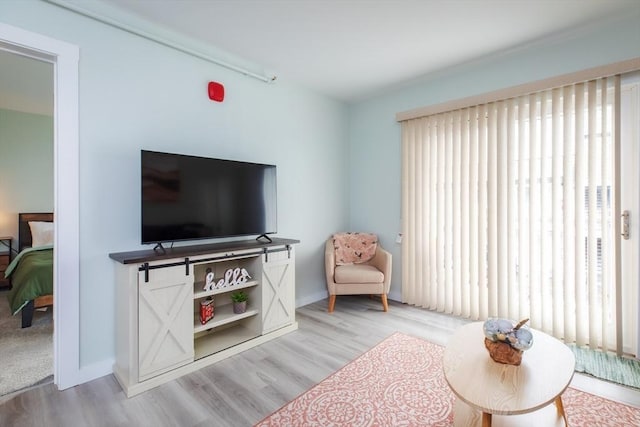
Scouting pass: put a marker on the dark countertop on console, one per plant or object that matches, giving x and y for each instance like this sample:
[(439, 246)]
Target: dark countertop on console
[(149, 255)]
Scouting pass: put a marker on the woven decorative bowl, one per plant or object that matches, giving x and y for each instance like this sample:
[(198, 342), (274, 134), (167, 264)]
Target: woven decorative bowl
[(506, 341), (502, 352)]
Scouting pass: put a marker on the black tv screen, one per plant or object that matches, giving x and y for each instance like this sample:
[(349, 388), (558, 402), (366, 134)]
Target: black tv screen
[(188, 198)]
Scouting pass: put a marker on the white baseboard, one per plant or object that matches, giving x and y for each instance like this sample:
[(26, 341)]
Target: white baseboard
[(311, 298), (105, 367), (395, 296)]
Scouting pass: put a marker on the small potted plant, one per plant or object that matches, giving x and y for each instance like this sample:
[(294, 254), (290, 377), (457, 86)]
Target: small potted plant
[(239, 302)]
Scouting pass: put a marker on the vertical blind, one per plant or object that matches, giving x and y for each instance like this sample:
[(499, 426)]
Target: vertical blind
[(509, 209)]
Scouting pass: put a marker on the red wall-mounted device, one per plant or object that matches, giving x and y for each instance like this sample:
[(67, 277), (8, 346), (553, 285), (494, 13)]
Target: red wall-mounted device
[(216, 91)]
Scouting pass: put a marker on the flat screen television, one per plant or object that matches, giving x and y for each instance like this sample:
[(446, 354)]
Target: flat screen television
[(189, 198)]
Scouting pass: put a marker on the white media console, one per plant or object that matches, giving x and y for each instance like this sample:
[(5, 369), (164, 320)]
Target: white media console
[(159, 335)]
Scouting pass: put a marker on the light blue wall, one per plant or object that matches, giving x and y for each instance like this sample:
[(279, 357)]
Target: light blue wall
[(137, 94), (375, 167), (26, 167)]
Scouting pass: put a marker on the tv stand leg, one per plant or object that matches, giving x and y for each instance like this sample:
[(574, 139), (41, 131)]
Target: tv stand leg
[(264, 236), (158, 248)]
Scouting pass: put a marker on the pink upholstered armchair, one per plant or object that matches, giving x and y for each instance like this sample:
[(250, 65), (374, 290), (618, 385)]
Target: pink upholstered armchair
[(355, 264)]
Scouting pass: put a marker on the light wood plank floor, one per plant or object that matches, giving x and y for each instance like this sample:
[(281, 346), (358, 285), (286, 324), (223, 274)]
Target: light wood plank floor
[(245, 388)]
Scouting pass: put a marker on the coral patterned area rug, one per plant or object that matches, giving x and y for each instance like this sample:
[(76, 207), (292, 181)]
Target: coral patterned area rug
[(401, 382)]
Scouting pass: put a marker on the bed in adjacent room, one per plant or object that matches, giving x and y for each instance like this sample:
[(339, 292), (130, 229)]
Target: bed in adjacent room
[(31, 272)]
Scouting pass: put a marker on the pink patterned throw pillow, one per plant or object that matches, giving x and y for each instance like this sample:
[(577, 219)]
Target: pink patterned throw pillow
[(354, 248)]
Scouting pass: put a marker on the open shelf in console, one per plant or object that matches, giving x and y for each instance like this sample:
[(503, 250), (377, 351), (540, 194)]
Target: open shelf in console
[(210, 343), (226, 328), (223, 315)]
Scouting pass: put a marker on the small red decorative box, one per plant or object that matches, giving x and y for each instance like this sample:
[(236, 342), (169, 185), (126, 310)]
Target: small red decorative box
[(206, 310)]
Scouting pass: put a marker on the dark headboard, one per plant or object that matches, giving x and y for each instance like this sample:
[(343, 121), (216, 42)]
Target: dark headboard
[(24, 232)]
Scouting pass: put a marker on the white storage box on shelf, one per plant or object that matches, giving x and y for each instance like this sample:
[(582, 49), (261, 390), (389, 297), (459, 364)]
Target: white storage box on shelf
[(159, 335)]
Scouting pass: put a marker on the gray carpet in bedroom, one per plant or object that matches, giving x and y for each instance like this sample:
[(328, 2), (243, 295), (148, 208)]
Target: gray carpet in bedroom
[(26, 355)]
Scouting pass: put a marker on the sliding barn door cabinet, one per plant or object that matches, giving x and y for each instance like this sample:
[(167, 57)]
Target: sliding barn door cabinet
[(160, 335)]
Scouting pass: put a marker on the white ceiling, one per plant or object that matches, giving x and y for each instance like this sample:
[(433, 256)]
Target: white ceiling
[(347, 49), (350, 49)]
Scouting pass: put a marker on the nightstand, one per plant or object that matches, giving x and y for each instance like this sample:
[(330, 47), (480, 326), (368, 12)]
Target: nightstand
[(5, 260)]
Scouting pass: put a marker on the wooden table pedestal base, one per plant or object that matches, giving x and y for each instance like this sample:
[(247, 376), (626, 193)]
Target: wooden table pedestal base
[(551, 416)]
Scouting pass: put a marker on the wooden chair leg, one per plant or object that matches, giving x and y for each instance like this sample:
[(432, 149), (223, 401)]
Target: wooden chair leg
[(385, 305), (332, 303)]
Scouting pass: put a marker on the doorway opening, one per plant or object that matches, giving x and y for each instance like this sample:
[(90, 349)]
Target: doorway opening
[(66, 313)]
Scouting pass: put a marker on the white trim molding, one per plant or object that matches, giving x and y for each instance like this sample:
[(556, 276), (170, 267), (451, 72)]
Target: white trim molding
[(64, 56), (523, 89), (101, 16)]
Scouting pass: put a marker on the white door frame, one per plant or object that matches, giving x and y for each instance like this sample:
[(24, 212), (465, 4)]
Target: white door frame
[(66, 284), (630, 201)]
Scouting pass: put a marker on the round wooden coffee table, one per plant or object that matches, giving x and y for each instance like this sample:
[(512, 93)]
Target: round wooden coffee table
[(487, 391)]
